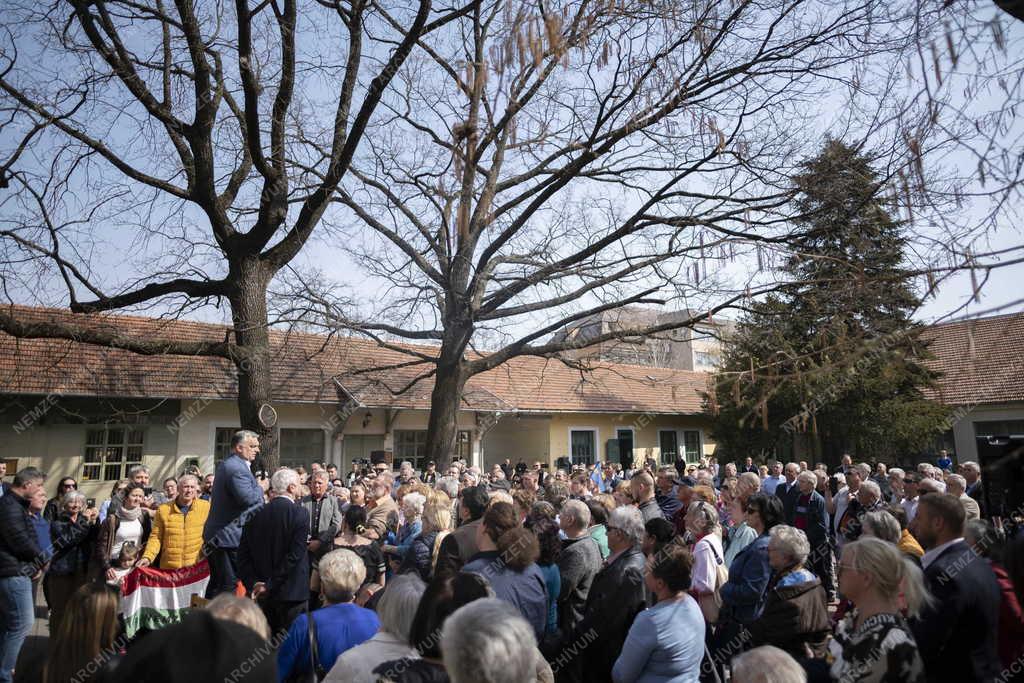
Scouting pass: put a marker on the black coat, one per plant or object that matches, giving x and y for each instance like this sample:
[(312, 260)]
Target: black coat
[(616, 596), (72, 545), (273, 550), (419, 558), (788, 499), (20, 554), (957, 635)]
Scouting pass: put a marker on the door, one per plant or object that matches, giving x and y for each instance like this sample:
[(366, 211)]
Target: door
[(359, 446), (625, 438)]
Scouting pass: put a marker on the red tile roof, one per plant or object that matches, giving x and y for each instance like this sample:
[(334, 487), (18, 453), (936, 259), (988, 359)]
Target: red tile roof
[(981, 361), (307, 369)]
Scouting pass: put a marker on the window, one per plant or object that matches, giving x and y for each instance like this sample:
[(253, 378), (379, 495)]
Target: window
[(222, 442), (705, 359), (111, 452), (582, 445), (668, 440), (999, 428), (300, 447), (691, 445), (411, 445)]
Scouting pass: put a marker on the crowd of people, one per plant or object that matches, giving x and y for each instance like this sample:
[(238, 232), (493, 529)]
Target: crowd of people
[(683, 572)]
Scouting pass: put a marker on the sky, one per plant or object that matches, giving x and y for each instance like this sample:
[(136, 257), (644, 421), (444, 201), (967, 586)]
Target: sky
[(955, 298)]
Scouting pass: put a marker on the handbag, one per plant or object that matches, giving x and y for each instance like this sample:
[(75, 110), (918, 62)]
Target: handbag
[(711, 603), (316, 672)]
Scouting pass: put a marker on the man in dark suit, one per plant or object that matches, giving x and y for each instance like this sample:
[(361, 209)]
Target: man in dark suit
[(749, 466), (4, 486), (956, 636), (788, 491), (236, 496), (616, 596), (272, 554), (972, 475)]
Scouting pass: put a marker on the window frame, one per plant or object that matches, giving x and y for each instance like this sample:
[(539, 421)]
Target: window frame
[(124, 463), (595, 436)]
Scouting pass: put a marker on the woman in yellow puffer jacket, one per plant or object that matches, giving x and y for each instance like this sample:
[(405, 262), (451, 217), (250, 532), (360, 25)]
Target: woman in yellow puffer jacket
[(177, 535)]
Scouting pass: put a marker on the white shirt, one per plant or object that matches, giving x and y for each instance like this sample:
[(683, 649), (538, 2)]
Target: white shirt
[(705, 567), (127, 530), (911, 507), (933, 554)]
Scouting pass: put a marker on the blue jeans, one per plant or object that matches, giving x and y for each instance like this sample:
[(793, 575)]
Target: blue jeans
[(17, 614)]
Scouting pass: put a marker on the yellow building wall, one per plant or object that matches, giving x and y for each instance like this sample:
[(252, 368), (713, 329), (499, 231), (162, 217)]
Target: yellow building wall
[(645, 431)]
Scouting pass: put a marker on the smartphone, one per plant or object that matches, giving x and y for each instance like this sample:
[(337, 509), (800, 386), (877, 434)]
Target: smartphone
[(90, 502)]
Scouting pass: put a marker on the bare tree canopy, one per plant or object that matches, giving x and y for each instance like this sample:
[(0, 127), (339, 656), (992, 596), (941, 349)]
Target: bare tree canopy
[(494, 171)]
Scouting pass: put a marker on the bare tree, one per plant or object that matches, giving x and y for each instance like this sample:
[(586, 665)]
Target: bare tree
[(542, 165), (172, 155)]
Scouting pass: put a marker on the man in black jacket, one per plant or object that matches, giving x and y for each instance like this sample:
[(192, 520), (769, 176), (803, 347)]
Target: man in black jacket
[(272, 554), (616, 596), (956, 636), (21, 559), (811, 516), (460, 545)]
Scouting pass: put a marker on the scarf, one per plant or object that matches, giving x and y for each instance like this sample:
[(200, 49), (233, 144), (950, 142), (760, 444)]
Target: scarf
[(130, 515)]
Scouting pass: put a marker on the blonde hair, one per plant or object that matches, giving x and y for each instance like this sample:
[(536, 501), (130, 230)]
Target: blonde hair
[(241, 611), (87, 633), (437, 514), (890, 570)]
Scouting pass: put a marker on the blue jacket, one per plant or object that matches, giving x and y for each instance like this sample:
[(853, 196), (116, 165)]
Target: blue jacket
[(525, 590), (743, 595), (236, 496), (338, 628), (273, 549)]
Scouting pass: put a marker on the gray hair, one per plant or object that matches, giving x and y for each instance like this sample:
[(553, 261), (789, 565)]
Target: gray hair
[(955, 481), (138, 468), (415, 501), (883, 526), (578, 511), (341, 575), (242, 611), (808, 475), (72, 496), (241, 436), (487, 641), (449, 485), (929, 485), (194, 478), (896, 472), (320, 474), (872, 488), (705, 513), (971, 465), (282, 479), (792, 542), (767, 664), (628, 520), (397, 605), (863, 469), (28, 475)]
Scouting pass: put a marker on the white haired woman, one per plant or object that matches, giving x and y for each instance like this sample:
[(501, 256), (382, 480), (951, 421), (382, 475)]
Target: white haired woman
[(874, 644), (73, 534), (708, 556), (795, 616), (396, 610), (339, 626), (412, 527)]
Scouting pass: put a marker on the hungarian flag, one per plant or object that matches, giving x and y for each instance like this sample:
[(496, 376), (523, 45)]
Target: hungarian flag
[(153, 598)]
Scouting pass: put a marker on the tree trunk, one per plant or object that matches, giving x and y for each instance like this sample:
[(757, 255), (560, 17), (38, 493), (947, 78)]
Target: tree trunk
[(445, 399), (249, 312)]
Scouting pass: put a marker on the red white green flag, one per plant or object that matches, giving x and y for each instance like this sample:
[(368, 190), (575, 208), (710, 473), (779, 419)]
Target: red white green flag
[(153, 598)]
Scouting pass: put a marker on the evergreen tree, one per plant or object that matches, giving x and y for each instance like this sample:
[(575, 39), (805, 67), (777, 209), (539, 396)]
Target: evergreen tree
[(833, 362)]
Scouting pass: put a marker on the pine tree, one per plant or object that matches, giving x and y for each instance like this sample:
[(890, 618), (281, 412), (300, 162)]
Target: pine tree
[(834, 361)]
